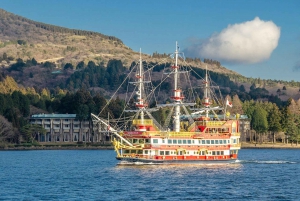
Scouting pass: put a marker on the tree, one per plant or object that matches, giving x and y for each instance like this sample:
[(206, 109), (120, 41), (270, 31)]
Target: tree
[(7, 132), (242, 88), (259, 121), (274, 118), (68, 66), (80, 65), (34, 62), (237, 105), (252, 87), (82, 112), (29, 131), (49, 65)]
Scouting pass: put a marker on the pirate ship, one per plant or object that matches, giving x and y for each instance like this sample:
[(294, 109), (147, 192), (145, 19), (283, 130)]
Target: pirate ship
[(186, 135)]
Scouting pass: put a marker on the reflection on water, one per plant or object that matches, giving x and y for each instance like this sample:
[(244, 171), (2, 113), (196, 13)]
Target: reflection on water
[(182, 168)]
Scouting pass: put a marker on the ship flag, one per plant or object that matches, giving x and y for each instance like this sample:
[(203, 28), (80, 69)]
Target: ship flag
[(228, 103)]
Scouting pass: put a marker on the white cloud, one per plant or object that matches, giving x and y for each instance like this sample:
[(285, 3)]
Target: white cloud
[(248, 42)]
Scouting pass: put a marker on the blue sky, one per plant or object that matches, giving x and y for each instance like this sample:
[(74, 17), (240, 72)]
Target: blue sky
[(270, 28)]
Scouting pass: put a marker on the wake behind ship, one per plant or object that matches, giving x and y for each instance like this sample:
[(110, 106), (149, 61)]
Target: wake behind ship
[(187, 134)]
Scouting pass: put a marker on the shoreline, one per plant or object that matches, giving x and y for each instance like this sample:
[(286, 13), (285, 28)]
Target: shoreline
[(106, 147), (269, 146)]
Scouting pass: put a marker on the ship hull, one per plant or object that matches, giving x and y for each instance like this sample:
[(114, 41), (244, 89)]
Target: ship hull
[(157, 161)]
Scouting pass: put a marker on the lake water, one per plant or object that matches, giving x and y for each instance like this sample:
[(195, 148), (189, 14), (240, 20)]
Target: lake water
[(260, 174)]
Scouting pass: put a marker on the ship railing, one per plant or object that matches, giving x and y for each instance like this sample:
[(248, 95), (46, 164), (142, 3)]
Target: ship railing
[(144, 122), (235, 134), (210, 123), (212, 135), (236, 145)]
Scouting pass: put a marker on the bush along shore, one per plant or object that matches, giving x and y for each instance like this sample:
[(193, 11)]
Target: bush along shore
[(56, 146), (270, 145)]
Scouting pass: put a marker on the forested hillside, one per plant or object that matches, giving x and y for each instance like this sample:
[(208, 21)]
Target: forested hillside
[(51, 69)]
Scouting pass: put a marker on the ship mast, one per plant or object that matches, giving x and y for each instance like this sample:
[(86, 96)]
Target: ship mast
[(206, 98), (177, 94), (140, 104)]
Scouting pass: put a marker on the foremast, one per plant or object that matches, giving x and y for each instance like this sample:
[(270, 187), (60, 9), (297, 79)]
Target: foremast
[(140, 104)]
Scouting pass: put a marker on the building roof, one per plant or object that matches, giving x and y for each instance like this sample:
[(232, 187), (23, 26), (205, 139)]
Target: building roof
[(53, 116)]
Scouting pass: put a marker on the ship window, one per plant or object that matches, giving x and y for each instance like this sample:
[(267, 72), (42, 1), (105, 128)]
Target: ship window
[(179, 141), (199, 142), (234, 141), (212, 142), (163, 141), (233, 130), (228, 141), (167, 153), (133, 151), (161, 153), (183, 141), (202, 152), (222, 152), (213, 153), (218, 152), (139, 151), (141, 141), (135, 140), (169, 141), (193, 141), (203, 141), (126, 151), (224, 142), (155, 140), (220, 141), (189, 142), (207, 141), (146, 151), (147, 140), (174, 141), (216, 141)]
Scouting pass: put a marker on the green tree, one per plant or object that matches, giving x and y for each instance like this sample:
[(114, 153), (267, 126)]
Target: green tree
[(259, 121), (68, 66), (80, 65), (30, 131), (274, 119)]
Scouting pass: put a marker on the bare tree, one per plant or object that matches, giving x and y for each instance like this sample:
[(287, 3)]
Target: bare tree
[(6, 130)]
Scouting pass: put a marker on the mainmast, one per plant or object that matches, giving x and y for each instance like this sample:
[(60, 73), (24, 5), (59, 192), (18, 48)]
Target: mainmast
[(177, 94)]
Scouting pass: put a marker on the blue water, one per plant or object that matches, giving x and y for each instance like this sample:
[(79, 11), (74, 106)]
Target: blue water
[(260, 174)]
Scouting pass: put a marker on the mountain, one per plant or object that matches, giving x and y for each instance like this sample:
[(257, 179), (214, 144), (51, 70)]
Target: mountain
[(26, 39)]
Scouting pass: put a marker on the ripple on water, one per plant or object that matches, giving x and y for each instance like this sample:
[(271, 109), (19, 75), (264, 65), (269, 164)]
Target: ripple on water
[(96, 175)]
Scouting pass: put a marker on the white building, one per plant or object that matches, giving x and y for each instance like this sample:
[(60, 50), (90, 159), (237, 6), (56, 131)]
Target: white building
[(66, 128)]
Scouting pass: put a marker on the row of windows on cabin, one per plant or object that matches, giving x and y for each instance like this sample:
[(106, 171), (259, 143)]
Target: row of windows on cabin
[(217, 130), (173, 141), (183, 152)]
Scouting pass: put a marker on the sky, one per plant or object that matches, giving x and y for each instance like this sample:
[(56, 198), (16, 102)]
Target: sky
[(256, 38)]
